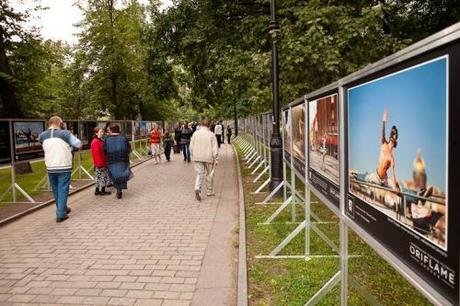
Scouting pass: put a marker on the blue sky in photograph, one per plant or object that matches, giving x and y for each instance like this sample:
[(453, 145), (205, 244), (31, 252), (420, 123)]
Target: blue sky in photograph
[(416, 104)]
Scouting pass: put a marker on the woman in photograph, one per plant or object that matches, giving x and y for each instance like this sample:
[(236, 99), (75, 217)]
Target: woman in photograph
[(100, 162), (117, 149)]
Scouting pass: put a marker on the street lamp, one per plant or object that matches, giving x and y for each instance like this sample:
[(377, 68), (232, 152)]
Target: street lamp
[(275, 141)]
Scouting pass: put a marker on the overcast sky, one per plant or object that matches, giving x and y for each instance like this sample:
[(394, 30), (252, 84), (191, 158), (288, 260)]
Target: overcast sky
[(57, 22)]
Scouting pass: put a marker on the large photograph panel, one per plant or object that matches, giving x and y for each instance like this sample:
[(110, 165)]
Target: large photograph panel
[(87, 133), (323, 145), (298, 138), (26, 142), (287, 135), (399, 174), (397, 162), (5, 144), (324, 137)]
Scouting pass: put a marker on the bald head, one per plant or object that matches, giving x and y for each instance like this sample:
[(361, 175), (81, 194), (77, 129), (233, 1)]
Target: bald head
[(205, 122)]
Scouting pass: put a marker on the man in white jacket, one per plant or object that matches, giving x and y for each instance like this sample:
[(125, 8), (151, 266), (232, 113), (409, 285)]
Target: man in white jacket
[(204, 151), (57, 144)]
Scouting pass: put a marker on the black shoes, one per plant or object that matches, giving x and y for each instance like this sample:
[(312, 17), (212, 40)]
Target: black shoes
[(119, 194), (68, 211), (102, 192), (59, 220), (197, 195)]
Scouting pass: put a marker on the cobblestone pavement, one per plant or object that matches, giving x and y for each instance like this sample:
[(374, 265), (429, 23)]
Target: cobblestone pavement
[(156, 246)]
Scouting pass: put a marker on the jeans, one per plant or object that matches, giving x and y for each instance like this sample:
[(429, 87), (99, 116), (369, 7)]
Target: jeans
[(186, 151), (60, 183), (219, 140)]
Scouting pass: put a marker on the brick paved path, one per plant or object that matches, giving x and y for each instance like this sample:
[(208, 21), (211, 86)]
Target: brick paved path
[(157, 246)]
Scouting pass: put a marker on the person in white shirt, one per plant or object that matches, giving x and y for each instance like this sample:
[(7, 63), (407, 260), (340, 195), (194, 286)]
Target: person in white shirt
[(58, 144), (218, 130), (204, 151)]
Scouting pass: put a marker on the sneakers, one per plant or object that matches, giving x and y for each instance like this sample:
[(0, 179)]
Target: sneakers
[(197, 195)]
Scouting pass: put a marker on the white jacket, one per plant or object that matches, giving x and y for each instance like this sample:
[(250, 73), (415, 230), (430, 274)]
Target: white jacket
[(203, 146), (218, 129)]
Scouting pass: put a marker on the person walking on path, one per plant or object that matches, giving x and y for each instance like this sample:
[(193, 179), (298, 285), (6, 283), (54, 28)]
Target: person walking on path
[(155, 142), (186, 135), (100, 163), (57, 144), (117, 149), (204, 150), (168, 142), (218, 130), (229, 133), (177, 136)]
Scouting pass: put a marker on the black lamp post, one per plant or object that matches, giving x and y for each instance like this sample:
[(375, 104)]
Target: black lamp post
[(275, 142)]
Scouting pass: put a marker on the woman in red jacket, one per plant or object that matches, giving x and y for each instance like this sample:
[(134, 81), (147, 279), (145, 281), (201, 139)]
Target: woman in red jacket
[(155, 142), (100, 163)]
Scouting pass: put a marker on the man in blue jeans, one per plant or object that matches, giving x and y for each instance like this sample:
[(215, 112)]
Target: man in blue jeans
[(57, 144)]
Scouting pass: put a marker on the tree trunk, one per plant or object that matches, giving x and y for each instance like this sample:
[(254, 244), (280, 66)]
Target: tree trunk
[(7, 90)]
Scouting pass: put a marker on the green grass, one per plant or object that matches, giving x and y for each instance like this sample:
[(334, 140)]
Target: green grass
[(29, 181), (295, 281)]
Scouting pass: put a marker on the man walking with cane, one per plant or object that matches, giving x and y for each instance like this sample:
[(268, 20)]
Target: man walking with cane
[(204, 151)]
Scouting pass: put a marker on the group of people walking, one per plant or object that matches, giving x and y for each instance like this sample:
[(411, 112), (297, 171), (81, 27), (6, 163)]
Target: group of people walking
[(110, 152)]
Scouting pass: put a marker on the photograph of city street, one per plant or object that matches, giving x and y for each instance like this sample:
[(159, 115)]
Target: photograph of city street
[(324, 137)]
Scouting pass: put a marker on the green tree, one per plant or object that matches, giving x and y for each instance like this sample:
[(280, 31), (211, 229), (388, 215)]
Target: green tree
[(114, 54)]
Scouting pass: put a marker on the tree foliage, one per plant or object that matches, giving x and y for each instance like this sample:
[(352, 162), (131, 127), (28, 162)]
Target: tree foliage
[(199, 57)]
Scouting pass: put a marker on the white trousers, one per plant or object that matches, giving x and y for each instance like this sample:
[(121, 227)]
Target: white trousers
[(203, 171)]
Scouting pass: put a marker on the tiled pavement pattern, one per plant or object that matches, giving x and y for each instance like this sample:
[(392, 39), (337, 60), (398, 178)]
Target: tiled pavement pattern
[(156, 246)]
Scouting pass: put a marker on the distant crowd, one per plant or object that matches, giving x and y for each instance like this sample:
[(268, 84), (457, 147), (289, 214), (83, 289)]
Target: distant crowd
[(179, 139)]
